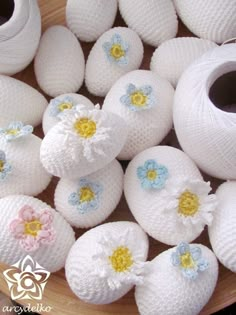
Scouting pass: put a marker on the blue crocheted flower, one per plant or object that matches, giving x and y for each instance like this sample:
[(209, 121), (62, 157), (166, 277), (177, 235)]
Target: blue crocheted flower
[(5, 168), (87, 197), (189, 260), (116, 50), (57, 106), (16, 130), (152, 175), (138, 98)]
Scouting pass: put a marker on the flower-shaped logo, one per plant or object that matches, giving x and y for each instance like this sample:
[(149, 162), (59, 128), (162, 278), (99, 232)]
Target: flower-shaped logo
[(26, 279)]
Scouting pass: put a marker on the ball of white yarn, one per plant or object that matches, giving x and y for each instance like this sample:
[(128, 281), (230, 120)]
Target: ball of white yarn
[(51, 256), (210, 19), (88, 19), (205, 132), (165, 182), (19, 37), (172, 57), (88, 201), (59, 62), (222, 231), (148, 122), (103, 68), (154, 21), (166, 291), (92, 270), (59, 104)]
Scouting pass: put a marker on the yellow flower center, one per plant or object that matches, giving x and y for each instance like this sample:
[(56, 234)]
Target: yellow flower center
[(64, 106), (152, 175), (188, 203), (138, 99), (121, 259), (85, 127), (187, 261), (86, 194), (33, 227), (116, 51), (1, 165), (12, 132)]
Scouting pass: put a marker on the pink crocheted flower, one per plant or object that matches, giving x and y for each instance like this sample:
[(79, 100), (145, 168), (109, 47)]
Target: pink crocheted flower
[(33, 229)]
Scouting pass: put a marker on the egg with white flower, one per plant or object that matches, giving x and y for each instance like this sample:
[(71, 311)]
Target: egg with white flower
[(180, 280), (144, 100), (116, 52), (59, 104), (29, 226), (21, 171), (107, 261), (166, 183), (83, 142)]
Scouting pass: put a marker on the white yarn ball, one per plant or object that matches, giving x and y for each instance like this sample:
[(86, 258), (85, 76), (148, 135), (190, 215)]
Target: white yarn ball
[(171, 214), (82, 143), (210, 19), (166, 291), (102, 69), (172, 57), (86, 202), (50, 254), (148, 124), (222, 231), (154, 21), (20, 102), (59, 104), (88, 19), (59, 63), (206, 133), (91, 268), (19, 37)]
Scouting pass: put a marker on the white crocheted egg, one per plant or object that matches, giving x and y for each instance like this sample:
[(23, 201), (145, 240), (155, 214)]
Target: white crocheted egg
[(83, 142), (107, 261), (60, 103), (175, 55), (59, 63), (210, 19), (154, 21), (115, 53), (88, 19), (222, 232), (19, 101), (29, 226), (144, 100), (21, 171), (173, 286), (88, 201), (167, 184)]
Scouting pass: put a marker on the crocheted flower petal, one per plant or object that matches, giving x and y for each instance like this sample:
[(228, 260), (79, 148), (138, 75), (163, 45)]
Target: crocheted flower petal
[(151, 165), (125, 99), (175, 259), (125, 46), (202, 264), (73, 199), (107, 47), (46, 217), (2, 156), (116, 39), (7, 168), (15, 125), (141, 172), (196, 253), (190, 273), (146, 184), (123, 60), (17, 228), (131, 88), (146, 89), (27, 130), (26, 213), (29, 244), (183, 248)]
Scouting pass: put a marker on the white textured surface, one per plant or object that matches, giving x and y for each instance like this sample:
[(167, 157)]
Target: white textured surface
[(19, 37), (88, 19), (59, 62), (154, 20), (20, 102), (50, 121), (80, 264), (222, 232), (110, 178), (146, 127), (100, 73), (51, 257), (161, 225), (210, 19), (172, 57), (27, 176), (166, 292), (206, 133)]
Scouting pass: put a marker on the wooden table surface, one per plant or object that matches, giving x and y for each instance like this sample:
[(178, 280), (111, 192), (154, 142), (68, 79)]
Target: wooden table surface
[(57, 293)]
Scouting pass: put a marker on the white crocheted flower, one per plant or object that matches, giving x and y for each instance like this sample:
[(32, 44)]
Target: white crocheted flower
[(116, 261)]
